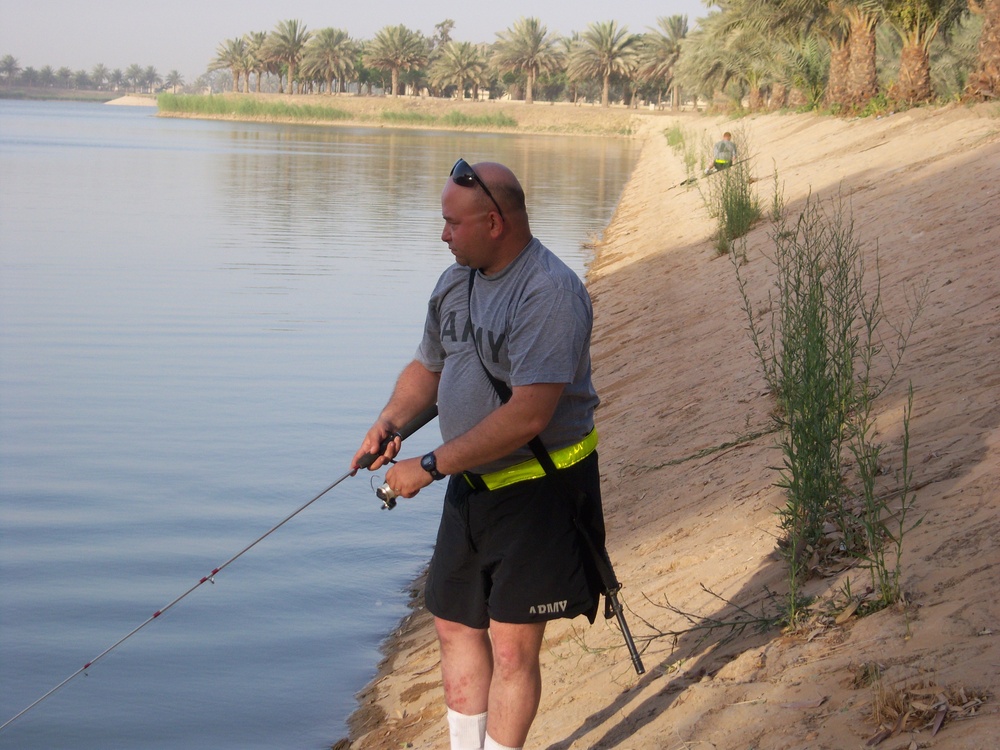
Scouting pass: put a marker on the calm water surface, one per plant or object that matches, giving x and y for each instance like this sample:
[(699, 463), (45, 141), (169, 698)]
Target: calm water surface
[(198, 321)]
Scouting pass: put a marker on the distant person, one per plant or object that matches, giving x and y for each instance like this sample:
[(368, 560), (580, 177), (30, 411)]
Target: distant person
[(724, 154)]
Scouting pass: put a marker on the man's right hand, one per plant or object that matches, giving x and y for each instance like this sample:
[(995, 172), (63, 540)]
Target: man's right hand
[(380, 434)]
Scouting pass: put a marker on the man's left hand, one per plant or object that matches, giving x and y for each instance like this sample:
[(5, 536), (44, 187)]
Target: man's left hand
[(407, 478)]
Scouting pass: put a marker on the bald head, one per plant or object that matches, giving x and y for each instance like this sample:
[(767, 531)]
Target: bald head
[(485, 228), (504, 186)]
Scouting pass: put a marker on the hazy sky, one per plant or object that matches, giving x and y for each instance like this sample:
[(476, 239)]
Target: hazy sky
[(184, 34)]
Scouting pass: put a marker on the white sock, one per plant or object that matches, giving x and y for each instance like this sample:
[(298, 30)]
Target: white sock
[(492, 744), (466, 732)]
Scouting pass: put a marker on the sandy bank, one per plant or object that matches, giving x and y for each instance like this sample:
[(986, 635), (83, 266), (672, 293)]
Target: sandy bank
[(692, 523), (133, 100)]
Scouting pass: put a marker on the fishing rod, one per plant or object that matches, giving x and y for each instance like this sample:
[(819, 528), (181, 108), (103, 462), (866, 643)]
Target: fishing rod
[(708, 173), (408, 429)]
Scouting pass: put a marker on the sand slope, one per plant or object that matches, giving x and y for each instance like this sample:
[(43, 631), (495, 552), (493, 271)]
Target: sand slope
[(692, 523)]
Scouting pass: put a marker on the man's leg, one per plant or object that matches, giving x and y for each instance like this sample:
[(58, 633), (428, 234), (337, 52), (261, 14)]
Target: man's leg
[(517, 681), (466, 671), (466, 666)]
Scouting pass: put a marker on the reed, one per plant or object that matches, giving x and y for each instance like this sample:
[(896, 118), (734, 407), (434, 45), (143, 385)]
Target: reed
[(678, 140), (408, 118), (822, 351), (247, 107), (455, 118)]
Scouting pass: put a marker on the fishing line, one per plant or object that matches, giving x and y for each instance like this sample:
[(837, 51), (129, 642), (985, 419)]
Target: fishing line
[(419, 421)]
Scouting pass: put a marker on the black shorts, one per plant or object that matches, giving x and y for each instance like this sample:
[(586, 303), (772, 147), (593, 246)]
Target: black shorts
[(515, 554)]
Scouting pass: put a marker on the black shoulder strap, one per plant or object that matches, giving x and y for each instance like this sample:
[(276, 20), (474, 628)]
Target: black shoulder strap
[(599, 554), (504, 392)]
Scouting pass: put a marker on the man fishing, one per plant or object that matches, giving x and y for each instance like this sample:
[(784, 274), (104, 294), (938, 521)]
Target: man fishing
[(723, 154), (505, 354)]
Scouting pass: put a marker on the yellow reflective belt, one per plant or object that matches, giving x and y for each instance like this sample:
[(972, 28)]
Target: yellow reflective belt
[(531, 469)]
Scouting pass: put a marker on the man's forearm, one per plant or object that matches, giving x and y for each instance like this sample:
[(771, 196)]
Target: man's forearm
[(415, 390), (503, 431)]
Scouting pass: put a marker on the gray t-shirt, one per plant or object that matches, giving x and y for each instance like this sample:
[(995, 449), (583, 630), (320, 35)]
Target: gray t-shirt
[(533, 323), (725, 151)]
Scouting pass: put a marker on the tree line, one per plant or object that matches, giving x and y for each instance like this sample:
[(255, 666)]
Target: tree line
[(134, 78), (841, 54), (837, 54), (524, 58)]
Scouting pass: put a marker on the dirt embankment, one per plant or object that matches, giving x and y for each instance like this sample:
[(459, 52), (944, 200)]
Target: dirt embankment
[(691, 502)]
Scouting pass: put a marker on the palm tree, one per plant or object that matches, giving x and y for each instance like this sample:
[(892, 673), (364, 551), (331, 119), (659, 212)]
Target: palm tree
[(363, 75), (707, 65), (918, 23), (807, 66), (396, 48), (99, 75), (442, 33), (286, 45), (133, 76), (568, 46), (116, 79), (527, 48), (47, 76), (458, 64), (330, 55), (151, 79), (174, 80), (984, 83), (257, 62), (660, 50), (794, 20), (231, 55), (862, 77), (9, 68), (606, 49)]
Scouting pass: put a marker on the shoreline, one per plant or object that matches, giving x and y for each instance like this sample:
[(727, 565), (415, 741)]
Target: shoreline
[(676, 375), (427, 113)]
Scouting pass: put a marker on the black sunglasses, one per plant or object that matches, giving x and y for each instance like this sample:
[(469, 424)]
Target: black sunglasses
[(463, 174)]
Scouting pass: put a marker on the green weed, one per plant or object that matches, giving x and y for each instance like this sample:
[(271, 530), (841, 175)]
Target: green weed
[(822, 349)]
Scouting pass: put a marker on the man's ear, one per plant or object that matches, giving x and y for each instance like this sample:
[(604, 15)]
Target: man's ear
[(496, 225)]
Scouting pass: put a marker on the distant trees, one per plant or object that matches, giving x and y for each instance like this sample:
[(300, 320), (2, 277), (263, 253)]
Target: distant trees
[(461, 65), (842, 54)]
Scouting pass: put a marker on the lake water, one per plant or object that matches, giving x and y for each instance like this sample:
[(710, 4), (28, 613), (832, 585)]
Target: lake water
[(198, 322)]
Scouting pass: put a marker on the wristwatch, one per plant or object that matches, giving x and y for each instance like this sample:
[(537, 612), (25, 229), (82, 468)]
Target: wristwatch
[(429, 463)]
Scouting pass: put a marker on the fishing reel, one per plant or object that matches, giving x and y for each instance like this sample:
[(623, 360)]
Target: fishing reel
[(386, 494)]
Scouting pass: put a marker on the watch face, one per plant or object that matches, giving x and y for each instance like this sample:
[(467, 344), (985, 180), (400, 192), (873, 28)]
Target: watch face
[(429, 464)]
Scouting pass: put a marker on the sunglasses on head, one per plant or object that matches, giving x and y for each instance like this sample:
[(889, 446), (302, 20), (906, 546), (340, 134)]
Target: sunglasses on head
[(463, 174)]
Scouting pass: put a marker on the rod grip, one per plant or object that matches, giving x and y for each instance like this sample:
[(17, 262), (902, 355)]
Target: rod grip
[(404, 432)]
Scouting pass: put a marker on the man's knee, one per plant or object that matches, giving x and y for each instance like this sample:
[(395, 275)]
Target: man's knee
[(461, 640), (516, 648)]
